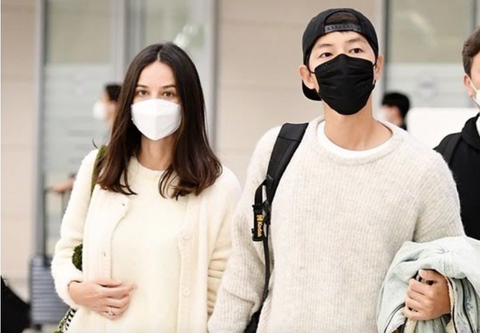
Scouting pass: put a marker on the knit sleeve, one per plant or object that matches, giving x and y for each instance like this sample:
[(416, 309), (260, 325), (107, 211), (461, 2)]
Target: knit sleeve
[(226, 202), (242, 285), (71, 233), (440, 207)]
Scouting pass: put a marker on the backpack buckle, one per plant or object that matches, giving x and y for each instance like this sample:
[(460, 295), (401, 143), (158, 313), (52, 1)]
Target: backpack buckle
[(258, 221)]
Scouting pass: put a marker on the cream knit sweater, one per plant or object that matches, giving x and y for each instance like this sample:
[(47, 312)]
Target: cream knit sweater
[(336, 226)]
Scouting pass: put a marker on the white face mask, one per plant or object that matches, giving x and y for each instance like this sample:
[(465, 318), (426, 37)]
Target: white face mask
[(477, 100), (156, 118), (99, 110)]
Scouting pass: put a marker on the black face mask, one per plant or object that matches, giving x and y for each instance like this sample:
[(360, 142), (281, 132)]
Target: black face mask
[(345, 83)]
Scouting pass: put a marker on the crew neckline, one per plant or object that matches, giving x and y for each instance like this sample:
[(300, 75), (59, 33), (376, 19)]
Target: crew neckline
[(343, 152), (311, 137), (140, 167)]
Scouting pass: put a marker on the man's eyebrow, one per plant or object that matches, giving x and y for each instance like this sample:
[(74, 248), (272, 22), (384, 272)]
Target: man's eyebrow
[(323, 45), (355, 40)]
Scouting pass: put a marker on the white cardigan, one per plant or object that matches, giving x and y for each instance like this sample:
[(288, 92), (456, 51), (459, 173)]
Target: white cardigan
[(204, 242)]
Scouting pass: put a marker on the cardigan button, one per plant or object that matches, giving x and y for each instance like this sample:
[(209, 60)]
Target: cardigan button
[(186, 291), (186, 235)]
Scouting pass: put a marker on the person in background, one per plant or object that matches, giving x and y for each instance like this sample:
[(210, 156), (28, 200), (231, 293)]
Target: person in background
[(395, 107), (156, 229), (104, 110), (462, 150)]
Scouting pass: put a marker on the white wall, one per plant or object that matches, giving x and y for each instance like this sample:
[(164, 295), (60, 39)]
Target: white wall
[(431, 125), (18, 128)]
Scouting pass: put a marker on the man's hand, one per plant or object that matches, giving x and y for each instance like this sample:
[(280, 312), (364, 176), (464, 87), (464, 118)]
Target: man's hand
[(425, 301)]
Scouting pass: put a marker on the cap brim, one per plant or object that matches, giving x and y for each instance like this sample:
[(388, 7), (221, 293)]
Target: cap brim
[(310, 93)]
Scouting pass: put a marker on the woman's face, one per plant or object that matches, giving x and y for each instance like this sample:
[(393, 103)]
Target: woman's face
[(156, 81)]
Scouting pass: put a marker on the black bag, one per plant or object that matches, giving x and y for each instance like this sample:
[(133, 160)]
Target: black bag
[(15, 312), (448, 146), (285, 146)]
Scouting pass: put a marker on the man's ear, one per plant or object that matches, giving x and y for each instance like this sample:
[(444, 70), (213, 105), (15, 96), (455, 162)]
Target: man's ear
[(308, 78), (468, 86), (378, 67)]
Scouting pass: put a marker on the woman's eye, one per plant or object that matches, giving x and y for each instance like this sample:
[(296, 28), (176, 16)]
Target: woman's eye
[(325, 55), (142, 93), (356, 50), (168, 94)]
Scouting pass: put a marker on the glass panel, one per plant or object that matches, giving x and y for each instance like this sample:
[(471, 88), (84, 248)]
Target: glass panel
[(424, 50), (78, 64)]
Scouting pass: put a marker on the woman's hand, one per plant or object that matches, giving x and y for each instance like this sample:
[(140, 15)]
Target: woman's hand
[(107, 297)]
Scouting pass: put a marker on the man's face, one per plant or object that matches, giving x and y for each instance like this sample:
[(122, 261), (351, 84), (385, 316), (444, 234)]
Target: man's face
[(333, 44), (474, 77)]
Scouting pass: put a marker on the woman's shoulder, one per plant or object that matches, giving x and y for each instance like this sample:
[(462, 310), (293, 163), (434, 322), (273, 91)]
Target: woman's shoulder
[(226, 184), (90, 158), (227, 180)]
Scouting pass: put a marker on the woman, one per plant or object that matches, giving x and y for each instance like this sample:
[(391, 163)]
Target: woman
[(156, 231)]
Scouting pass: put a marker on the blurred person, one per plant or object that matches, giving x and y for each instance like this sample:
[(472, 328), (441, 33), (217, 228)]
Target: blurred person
[(104, 110), (156, 231), (395, 107), (353, 193), (462, 150)]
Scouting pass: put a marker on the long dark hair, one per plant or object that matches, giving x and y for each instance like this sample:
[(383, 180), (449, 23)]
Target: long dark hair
[(194, 166)]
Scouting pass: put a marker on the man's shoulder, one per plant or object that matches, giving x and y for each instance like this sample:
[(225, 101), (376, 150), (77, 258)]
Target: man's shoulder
[(267, 141), (420, 156), (446, 141)]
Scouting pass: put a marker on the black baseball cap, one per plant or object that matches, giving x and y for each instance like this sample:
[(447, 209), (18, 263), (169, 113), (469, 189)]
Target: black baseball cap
[(317, 28)]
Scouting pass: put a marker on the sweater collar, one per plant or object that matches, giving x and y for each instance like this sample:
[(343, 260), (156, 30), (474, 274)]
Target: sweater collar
[(470, 133), (311, 136)]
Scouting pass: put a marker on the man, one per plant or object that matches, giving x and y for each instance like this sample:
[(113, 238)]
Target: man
[(395, 107), (462, 150), (354, 192)]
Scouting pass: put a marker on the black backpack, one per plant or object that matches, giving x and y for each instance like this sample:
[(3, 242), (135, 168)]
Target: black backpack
[(285, 146), (448, 146)]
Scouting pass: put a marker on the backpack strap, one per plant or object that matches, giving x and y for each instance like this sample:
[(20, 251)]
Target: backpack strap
[(77, 256), (448, 147), (285, 146), (287, 143), (97, 167)]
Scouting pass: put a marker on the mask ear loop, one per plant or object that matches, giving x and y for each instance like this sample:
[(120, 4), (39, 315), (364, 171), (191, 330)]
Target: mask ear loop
[(374, 65), (311, 72), (472, 85)]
